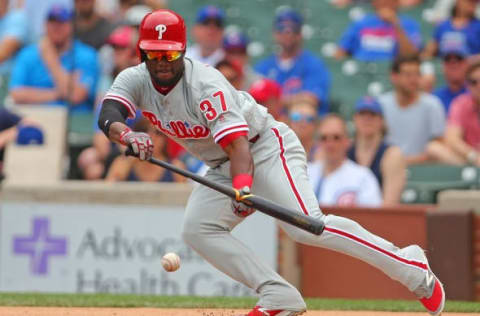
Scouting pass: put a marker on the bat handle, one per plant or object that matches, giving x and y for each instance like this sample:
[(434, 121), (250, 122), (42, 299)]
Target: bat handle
[(129, 152)]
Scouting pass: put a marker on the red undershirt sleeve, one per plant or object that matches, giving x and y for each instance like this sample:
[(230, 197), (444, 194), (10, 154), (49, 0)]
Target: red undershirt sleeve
[(227, 139)]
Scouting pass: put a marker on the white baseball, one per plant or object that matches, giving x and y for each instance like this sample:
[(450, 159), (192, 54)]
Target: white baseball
[(171, 262)]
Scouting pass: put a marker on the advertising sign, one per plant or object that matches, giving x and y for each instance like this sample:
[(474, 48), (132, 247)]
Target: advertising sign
[(84, 248)]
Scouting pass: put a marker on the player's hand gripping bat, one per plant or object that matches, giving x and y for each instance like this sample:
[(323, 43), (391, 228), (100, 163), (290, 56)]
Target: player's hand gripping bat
[(310, 224)]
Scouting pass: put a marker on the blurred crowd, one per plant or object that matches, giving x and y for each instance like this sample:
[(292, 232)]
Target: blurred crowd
[(67, 53)]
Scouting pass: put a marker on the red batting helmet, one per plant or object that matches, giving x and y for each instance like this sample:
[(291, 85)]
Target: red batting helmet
[(162, 30)]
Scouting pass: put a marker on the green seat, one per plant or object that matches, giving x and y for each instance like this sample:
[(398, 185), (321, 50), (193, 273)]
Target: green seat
[(424, 182), (442, 173), (80, 129)]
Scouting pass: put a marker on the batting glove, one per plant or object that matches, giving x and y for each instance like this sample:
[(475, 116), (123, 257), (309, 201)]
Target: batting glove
[(141, 143), (238, 205)]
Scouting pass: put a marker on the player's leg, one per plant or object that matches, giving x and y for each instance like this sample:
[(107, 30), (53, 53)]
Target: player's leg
[(285, 181), (207, 225)]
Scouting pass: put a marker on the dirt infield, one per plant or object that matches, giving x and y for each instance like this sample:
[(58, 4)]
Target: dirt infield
[(54, 311)]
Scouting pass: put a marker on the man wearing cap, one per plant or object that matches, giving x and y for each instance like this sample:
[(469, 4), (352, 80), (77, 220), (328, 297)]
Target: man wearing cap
[(208, 34), (380, 36), (302, 75), (268, 93), (235, 46), (37, 12), (454, 68), (369, 149), (90, 28), (57, 70)]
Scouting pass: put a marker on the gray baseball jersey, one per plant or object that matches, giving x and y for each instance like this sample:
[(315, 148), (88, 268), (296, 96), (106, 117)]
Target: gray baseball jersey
[(198, 112)]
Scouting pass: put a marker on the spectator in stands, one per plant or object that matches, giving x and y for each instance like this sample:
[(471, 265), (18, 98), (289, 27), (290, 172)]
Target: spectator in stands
[(12, 127), (302, 75), (402, 3), (91, 28), (370, 150), (135, 14), (268, 93), (462, 137), (95, 160), (462, 28), (132, 169), (380, 36), (413, 118), (454, 68), (14, 33), (57, 70), (37, 12), (232, 71), (119, 11), (208, 34), (336, 180), (123, 43), (235, 46), (302, 119), (441, 10)]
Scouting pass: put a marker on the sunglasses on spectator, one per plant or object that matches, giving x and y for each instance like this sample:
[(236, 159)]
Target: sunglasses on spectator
[(170, 55), (455, 58), (116, 46), (297, 117), (216, 22), (334, 137), (473, 82)]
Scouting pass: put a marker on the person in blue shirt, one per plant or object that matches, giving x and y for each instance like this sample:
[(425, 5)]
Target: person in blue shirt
[(380, 36), (455, 66), (301, 74), (462, 27), (57, 70), (13, 34)]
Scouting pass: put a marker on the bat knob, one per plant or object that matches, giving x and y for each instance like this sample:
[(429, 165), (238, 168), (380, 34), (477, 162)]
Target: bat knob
[(129, 152)]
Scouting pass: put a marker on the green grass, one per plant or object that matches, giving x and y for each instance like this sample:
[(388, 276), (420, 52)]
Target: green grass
[(109, 300)]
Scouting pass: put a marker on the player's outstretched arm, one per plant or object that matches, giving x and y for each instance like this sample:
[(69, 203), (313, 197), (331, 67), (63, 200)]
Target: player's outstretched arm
[(112, 122), (112, 119)]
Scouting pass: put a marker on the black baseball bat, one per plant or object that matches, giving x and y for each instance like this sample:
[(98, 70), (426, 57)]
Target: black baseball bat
[(312, 225)]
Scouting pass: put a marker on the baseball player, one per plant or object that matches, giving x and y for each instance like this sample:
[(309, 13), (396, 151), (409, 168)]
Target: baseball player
[(245, 147)]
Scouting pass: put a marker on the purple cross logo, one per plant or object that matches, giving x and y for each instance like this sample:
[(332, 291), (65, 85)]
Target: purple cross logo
[(40, 245)]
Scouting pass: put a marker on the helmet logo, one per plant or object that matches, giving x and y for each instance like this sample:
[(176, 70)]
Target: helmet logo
[(160, 28)]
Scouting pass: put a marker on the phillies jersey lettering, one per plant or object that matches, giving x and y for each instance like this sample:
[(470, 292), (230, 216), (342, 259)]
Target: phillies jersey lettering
[(198, 112), (178, 129)]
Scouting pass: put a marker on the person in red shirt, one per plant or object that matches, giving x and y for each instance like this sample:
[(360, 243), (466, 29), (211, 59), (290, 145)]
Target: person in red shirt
[(268, 93), (462, 136)]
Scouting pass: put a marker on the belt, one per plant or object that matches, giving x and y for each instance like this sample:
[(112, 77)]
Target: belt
[(254, 139)]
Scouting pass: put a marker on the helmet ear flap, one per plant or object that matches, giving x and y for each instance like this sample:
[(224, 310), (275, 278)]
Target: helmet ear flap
[(143, 56)]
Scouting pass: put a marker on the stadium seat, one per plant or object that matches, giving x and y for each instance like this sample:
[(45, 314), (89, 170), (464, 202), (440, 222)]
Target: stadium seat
[(38, 164), (424, 182), (80, 129)]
